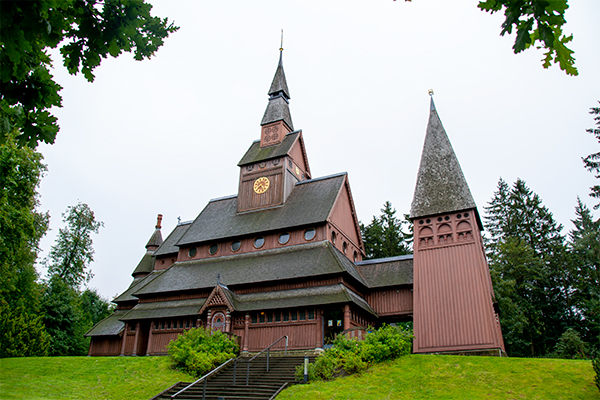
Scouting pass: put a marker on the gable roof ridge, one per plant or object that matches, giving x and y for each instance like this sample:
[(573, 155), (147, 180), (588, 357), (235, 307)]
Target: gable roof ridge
[(231, 196), (321, 178), (385, 259)]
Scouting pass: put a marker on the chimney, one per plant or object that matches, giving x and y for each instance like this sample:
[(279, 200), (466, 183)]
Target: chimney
[(158, 221)]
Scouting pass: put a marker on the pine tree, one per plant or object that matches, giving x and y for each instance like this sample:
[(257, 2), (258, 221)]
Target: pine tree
[(384, 236), (592, 162), (530, 270), (584, 243)]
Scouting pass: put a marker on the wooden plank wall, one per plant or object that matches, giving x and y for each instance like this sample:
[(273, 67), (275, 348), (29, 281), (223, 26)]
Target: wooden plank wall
[(105, 345), (390, 301), (301, 336)]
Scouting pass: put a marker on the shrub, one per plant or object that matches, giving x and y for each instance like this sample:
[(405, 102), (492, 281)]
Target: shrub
[(570, 345), (199, 350), (351, 356)]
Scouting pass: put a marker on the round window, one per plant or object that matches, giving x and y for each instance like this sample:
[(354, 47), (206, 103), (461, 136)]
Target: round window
[(333, 237), (345, 247), (192, 252), (213, 249), (235, 246), (259, 242), (284, 238), (310, 234)]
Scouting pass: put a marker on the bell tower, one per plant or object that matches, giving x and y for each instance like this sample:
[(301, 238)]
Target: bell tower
[(275, 163), (453, 295)]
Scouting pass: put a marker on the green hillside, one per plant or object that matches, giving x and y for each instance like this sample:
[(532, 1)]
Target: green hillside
[(459, 377), (93, 378), (410, 377)]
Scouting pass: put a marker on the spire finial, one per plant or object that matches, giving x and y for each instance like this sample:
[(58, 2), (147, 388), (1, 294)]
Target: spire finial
[(281, 50), (431, 104)]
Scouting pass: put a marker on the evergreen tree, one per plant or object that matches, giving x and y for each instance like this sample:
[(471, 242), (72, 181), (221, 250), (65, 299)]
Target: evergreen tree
[(64, 319), (23, 333), (94, 308), (592, 162), (585, 256), (529, 266), (384, 236)]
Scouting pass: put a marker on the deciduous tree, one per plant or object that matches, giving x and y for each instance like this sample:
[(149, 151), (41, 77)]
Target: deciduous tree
[(86, 31), (73, 251)]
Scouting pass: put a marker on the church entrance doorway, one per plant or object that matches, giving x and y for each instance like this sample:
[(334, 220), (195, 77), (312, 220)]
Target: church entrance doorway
[(217, 322), (333, 323)]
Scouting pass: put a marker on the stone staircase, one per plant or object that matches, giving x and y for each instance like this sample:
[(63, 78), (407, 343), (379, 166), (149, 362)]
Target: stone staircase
[(262, 385)]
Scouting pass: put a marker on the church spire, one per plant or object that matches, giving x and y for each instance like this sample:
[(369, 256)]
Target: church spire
[(441, 186), (277, 120)]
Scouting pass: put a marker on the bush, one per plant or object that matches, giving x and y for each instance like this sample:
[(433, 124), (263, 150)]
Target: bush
[(570, 345), (199, 350), (351, 356)]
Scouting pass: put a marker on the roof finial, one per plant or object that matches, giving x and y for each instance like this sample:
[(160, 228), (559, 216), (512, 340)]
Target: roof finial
[(178, 220), (432, 104), (281, 50), (218, 279)]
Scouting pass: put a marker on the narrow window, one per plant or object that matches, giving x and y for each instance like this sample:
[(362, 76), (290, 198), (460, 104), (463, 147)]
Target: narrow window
[(277, 317), (261, 318), (253, 318), (286, 316), (270, 317), (294, 315), (311, 313), (302, 315)]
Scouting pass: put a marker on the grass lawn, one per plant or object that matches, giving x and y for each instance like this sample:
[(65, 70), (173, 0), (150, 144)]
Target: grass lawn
[(101, 378), (459, 377)]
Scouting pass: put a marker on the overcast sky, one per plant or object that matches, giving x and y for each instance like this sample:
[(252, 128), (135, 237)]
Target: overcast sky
[(165, 135)]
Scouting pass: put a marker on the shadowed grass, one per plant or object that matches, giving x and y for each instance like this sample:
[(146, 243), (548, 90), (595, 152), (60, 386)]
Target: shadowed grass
[(459, 377), (101, 378)]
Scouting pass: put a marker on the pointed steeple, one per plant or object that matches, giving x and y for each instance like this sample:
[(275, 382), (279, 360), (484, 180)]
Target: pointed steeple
[(278, 108), (441, 186), (156, 238)]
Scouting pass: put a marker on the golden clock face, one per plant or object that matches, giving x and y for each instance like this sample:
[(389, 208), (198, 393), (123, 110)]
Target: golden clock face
[(261, 185)]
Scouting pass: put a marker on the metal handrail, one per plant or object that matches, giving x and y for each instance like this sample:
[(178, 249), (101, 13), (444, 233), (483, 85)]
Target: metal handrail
[(268, 350), (278, 391), (205, 377)]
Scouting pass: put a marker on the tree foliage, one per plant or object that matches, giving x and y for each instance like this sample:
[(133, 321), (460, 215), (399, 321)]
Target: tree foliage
[(73, 251), (537, 22), (384, 236), (21, 225), (199, 350), (86, 31), (22, 333), (533, 279), (592, 162)]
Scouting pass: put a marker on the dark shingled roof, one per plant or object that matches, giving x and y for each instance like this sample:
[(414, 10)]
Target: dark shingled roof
[(164, 309), (168, 246), (279, 83), (299, 298), (256, 153), (136, 285), (309, 203), (156, 239), (109, 325), (146, 264), (389, 271), (300, 261), (277, 109), (441, 186)]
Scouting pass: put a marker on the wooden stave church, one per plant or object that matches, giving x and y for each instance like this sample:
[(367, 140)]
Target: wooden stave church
[(285, 257)]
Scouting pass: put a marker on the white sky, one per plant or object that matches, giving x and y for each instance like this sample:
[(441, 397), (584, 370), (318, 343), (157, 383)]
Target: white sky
[(165, 135)]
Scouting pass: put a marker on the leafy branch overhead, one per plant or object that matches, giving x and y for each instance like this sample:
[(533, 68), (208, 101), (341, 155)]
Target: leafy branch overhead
[(86, 31), (537, 22)]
